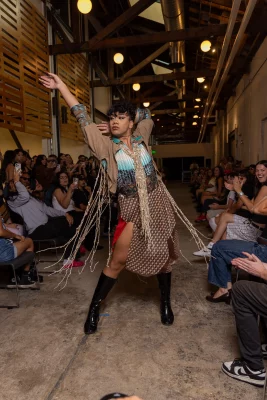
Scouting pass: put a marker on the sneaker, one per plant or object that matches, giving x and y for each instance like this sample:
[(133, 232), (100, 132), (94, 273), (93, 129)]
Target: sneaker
[(12, 283), (82, 249), (34, 276), (238, 369), (264, 350), (206, 252), (73, 264), (25, 281)]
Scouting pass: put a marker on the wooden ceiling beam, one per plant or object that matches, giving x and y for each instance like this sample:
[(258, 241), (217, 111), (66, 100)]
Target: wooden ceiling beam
[(216, 5), (175, 110), (146, 61), (158, 78), (189, 96), (145, 40), (121, 21)]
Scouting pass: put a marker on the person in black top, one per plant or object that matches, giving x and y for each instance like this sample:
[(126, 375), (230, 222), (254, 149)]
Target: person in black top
[(82, 195)]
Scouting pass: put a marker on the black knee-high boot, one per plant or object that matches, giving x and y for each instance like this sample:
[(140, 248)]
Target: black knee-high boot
[(105, 284), (166, 313)]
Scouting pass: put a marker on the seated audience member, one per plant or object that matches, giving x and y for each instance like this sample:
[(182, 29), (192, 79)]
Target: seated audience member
[(42, 222), (213, 215), (252, 169), (194, 166), (82, 194), (10, 249), (11, 157), (32, 185), (247, 227), (63, 194), (248, 302), (6, 220), (208, 184), (27, 165), (218, 196), (63, 200), (45, 170)]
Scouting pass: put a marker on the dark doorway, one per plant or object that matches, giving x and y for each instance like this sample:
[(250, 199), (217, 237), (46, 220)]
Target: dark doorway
[(174, 167)]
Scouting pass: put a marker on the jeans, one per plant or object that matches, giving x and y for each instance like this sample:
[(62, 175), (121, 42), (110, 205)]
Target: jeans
[(222, 254), (249, 301)]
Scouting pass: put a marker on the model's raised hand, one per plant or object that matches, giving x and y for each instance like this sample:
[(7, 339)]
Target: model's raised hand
[(51, 81)]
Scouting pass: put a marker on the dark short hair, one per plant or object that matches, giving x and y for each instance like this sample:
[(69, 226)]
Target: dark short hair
[(121, 108)]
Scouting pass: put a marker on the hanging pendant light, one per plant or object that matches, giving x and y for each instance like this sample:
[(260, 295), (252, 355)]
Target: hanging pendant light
[(195, 116), (198, 99), (200, 80), (205, 46), (196, 106), (136, 87), (194, 123), (84, 6), (146, 104), (118, 58)]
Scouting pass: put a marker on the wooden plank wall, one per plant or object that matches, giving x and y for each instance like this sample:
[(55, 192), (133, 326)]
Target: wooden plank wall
[(73, 69), (24, 56)]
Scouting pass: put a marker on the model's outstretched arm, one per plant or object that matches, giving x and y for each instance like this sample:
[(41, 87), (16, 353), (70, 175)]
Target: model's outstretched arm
[(92, 135), (52, 81)]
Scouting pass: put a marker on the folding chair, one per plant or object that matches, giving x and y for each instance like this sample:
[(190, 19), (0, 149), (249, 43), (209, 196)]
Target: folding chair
[(24, 259)]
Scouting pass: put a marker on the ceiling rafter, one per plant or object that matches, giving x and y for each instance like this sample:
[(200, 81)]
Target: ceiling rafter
[(157, 78), (144, 40), (121, 21)]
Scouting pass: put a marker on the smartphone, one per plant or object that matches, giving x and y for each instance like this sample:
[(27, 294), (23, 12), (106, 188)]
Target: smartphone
[(18, 167), (58, 167), (75, 181)]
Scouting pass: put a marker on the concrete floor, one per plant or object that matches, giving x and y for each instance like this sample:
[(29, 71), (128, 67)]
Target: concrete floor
[(45, 356)]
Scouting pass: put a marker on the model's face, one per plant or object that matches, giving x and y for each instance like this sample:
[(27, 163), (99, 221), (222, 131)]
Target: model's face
[(261, 173), (120, 125)]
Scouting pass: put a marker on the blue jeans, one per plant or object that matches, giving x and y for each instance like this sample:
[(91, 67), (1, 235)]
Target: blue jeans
[(222, 254)]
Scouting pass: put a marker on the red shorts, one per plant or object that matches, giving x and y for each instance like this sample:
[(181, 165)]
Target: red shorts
[(119, 229)]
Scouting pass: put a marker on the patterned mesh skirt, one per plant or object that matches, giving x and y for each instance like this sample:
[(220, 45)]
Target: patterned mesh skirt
[(242, 229), (164, 253)]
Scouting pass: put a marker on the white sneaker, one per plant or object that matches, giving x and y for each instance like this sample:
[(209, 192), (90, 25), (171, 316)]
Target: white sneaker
[(205, 252)]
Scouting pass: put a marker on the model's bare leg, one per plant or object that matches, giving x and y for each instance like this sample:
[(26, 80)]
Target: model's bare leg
[(108, 277)]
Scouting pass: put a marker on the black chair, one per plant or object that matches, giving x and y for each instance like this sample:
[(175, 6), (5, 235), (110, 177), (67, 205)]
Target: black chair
[(53, 243), (24, 259)]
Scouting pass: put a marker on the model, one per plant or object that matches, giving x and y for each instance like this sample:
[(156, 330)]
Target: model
[(146, 238)]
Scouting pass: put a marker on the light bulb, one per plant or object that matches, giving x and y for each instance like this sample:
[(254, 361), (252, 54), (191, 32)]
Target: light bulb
[(214, 50), (84, 6), (194, 123), (200, 80), (205, 46), (198, 99), (146, 104), (118, 58), (205, 87), (136, 87), (195, 116)]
